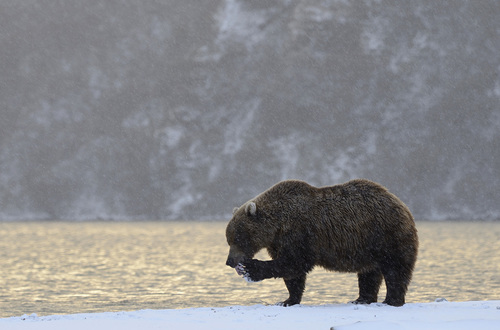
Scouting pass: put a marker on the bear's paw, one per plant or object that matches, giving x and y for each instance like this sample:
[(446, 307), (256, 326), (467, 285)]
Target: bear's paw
[(245, 271)]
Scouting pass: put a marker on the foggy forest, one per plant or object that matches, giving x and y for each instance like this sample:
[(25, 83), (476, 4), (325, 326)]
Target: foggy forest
[(184, 109)]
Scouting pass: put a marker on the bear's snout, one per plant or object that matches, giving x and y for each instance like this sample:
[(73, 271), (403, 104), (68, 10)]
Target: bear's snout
[(235, 256), (231, 262)]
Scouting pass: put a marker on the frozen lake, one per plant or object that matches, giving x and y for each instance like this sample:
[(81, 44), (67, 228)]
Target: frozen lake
[(65, 267)]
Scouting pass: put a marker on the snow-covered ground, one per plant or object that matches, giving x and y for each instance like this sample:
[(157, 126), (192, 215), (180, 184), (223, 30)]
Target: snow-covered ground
[(437, 315)]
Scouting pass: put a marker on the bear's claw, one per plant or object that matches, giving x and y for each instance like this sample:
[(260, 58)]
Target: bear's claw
[(242, 271)]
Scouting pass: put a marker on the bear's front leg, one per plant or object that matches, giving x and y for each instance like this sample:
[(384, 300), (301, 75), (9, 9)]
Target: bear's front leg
[(295, 288), (254, 270)]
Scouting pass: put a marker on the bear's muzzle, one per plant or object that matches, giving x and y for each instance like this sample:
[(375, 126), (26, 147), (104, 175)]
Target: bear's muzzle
[(235, 257), (231, 262)]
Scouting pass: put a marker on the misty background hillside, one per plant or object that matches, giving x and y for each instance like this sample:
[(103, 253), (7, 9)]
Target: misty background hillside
[(184, 109)]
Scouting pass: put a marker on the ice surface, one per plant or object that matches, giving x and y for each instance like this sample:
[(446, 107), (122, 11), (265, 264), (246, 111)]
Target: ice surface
[(436, 315)]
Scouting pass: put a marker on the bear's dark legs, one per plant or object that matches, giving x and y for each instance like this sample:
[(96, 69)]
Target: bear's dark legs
[(296, 288), (369, 284), (396, 282)]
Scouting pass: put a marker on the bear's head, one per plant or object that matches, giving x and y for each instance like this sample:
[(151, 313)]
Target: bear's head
[(249, 231)]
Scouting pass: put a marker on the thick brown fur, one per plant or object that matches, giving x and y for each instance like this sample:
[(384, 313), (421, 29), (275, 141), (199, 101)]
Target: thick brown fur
[(358, 226)]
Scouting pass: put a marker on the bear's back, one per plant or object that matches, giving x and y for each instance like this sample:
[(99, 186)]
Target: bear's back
[(364, 199)]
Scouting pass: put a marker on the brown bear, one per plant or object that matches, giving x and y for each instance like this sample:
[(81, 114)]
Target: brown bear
[(358, 226)]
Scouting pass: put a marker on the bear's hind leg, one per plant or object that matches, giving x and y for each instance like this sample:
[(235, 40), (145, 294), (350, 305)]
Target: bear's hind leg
[(296, 288), (369, 284), (397, 285)]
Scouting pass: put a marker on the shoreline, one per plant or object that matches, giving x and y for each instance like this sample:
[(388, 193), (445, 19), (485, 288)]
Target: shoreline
[(433, 315)]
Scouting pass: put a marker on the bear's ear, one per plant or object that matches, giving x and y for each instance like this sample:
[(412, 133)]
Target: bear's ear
[(235, 210), (251, 209)]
